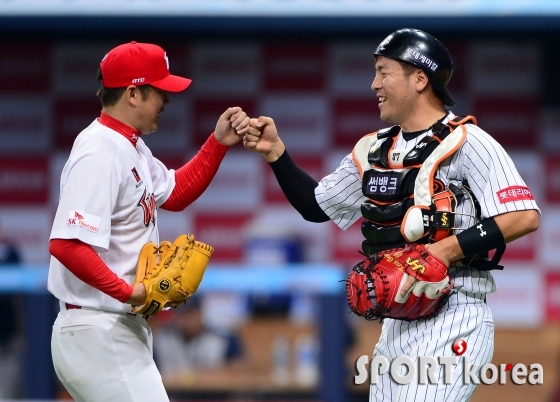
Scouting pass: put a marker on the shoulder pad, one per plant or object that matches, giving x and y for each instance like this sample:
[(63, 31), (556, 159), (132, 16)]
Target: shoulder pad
[(458, 120), (389, 132), (441, 130), (361, 150)]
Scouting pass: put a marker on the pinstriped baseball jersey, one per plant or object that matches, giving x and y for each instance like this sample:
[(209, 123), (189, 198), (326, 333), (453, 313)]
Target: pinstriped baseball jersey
[(498, 187), (481, 161)]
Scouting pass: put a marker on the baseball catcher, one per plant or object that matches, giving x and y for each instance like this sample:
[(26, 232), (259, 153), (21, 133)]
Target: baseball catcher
[(435, 195), (394, 243), (170, 272)]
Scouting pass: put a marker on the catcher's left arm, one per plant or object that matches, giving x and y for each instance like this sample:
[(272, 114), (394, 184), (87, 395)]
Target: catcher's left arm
[(170, 272)]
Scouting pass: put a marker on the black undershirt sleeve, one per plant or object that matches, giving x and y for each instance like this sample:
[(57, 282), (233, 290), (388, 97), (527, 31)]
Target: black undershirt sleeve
[(299, 188)]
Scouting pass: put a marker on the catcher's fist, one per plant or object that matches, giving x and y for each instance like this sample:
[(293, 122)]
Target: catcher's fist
[(262, 137), (412, 279)]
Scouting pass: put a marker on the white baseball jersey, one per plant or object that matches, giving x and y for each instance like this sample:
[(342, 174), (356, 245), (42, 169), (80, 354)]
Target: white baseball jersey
[(109, 191)]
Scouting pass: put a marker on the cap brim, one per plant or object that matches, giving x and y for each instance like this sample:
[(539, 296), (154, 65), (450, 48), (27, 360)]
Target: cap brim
[(172, 83)]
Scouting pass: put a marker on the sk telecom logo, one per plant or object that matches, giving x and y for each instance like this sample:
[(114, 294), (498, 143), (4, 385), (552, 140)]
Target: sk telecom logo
[(424, 369), (84, 220), (74, 220)]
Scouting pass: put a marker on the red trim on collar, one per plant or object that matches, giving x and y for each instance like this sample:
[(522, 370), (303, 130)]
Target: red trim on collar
[(130, 133)]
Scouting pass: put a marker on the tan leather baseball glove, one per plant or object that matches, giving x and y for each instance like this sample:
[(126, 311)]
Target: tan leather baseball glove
[(171, 272)]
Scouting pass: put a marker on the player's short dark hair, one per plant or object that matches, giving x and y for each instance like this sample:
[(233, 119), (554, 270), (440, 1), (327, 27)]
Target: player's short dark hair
[(110, 96), (408, 68)]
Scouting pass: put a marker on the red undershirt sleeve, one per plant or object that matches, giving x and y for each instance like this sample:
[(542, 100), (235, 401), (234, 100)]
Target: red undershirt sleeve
[(80, 259), (192, 179)]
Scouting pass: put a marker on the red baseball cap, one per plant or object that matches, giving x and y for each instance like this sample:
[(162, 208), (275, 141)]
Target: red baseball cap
[(140, 64)]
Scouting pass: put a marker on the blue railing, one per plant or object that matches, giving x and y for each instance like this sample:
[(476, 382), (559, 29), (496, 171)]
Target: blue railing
[(253, 278), (321, 280)]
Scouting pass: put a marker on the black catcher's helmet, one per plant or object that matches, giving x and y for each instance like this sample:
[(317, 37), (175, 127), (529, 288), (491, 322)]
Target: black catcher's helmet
[(425, 52)]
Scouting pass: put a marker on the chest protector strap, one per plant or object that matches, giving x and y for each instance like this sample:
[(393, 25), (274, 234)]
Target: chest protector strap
[(379, 156)]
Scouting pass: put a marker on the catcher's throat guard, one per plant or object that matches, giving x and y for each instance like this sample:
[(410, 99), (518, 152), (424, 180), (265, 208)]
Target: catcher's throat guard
[(170, 272)]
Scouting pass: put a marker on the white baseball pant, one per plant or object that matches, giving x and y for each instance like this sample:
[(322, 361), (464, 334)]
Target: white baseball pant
[(103, 356), (434, 337)]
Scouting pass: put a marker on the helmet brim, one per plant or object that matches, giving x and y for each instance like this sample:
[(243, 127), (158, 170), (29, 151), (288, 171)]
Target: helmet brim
[(444, 94)]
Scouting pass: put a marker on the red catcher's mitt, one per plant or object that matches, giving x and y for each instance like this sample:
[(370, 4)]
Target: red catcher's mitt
[(373, 287)]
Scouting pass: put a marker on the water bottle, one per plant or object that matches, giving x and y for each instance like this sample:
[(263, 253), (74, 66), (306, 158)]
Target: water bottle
[(281, 361), (307, 360)]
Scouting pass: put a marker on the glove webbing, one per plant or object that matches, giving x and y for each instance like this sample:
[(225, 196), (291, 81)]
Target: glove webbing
[(366, 267)]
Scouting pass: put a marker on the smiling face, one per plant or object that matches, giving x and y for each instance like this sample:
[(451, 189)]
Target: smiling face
[(149, 107), (396, 90)]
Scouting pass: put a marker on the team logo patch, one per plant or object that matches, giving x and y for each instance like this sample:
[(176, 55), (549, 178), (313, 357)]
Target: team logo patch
[(415, 265), (514, 193), (148, 204), (135, 174), (444, 219), (164, 285), (84, 220)]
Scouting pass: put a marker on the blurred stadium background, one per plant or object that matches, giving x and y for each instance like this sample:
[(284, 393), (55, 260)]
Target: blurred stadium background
[(309, 65)]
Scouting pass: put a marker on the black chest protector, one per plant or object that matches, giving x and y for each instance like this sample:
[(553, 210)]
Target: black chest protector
[(390, 190)]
